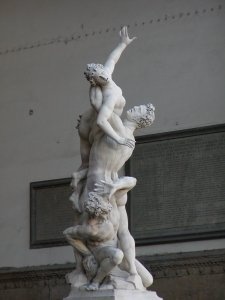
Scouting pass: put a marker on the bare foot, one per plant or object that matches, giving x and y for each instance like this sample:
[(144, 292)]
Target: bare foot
[(136, 280), (94, 286), (76, 278)]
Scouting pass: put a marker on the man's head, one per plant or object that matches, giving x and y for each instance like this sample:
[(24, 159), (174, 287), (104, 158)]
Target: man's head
[(143, 115), (96, 74), (96, 206)]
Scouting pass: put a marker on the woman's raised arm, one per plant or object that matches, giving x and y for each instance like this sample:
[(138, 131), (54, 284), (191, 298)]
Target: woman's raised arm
[(116, 53)]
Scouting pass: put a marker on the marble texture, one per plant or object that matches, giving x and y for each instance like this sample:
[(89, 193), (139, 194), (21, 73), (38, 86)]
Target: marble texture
[(103, 246), (113, 295)]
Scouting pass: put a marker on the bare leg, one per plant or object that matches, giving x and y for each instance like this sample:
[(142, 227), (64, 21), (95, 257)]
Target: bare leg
[(77, 277), (145, 275), (127, 243), (108, 258), (77, 177)]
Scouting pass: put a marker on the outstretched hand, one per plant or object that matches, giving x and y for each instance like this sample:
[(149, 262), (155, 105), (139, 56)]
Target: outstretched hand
[(124, 36), (105, 188)]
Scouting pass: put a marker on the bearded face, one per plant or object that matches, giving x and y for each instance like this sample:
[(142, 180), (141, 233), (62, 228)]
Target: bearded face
[(143, 115)]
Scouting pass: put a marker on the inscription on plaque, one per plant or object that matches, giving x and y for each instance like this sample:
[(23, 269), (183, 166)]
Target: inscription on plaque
[(51, 212), (180, 193)]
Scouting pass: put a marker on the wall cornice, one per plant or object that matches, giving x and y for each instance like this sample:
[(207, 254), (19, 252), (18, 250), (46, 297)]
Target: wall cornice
[(161, 266)]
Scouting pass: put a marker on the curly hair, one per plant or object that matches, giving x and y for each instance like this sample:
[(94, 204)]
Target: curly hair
[(95, 205), (92, 69), (148, 118)]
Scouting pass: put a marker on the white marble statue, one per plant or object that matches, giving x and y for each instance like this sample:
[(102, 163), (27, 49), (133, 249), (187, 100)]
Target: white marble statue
[(106, 159), (103, 246)]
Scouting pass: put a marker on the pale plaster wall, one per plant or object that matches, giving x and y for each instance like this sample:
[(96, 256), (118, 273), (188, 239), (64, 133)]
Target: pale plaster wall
[(177, 63)]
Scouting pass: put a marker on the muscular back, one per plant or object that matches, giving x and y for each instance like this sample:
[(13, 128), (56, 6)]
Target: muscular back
[(106, 156)]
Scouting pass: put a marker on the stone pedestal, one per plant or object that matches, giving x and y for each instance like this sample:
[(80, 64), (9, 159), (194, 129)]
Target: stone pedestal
[(112, 295)]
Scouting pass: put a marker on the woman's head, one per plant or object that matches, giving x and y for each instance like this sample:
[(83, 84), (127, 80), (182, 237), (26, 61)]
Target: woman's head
[(96, 74), (143, 115)]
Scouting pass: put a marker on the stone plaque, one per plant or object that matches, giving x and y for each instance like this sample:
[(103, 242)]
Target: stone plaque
[(50, 212), (180, 192)]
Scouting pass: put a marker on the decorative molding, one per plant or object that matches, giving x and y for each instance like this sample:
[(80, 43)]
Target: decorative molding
[(11, 278), (186, 264), (45, 225), (74, 37), (161, 266)]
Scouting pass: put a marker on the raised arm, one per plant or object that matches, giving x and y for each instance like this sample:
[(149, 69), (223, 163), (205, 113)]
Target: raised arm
[(116, 53)]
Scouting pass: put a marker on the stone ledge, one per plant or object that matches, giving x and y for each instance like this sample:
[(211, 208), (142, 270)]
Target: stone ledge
[(112, 295), (161, 266)]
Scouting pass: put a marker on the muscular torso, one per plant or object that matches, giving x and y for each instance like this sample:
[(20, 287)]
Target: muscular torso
[(100, 232), (106, 156), (114, 92)]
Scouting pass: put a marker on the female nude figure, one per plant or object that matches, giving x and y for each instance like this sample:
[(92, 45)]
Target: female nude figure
[(107, 103), (105, 96)]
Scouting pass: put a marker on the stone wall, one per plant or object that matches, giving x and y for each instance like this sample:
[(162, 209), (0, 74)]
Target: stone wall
[(177, 63), (192, 276)]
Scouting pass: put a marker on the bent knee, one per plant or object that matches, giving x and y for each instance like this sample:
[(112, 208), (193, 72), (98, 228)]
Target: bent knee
[(149, 281), (117, 257)]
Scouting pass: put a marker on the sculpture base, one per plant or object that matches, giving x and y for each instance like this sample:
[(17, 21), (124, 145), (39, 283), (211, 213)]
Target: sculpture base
[(112, 295)]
